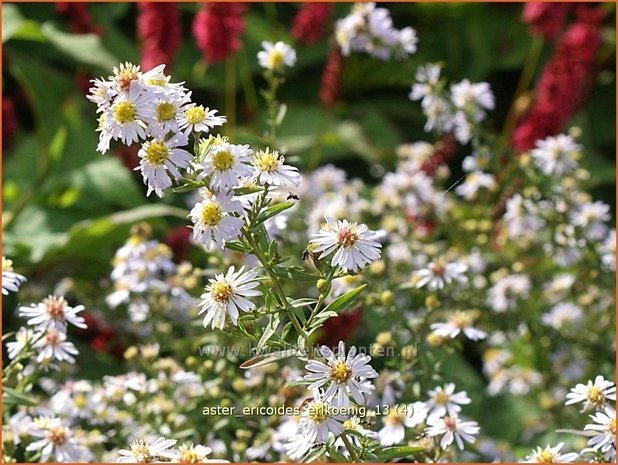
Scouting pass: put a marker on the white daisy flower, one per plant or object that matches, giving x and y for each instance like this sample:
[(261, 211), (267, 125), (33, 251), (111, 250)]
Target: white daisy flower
[(189, 453), (54, 346), (605, 427), (562, 314), (397, 419), (124, 119), (444, 400), (342, 374), (452, 429), (164, 113), (607, 249), (159, 159), (297, 446), (591, 217), (594, 395), (226, 295), (438, 274), (503, 295), (556, 155), (22, 338), (550, 455), (319, 418), (270, 169), (275, 56), (53, 313), (11, 281), (353, 244), (459, 322), (224, 163), (146, 451), (427, 78), (124, 76), (101, 93), (212, 219), (56, 441), (196, 118), (473, 98), (475, 180)]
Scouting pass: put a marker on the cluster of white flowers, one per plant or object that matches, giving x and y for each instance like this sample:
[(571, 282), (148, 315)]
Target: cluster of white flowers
[(370, 29), (458, 112)]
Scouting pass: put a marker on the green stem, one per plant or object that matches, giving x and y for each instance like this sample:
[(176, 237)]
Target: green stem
[(322, 297), (230, 92), (350, 448), (278, 287)]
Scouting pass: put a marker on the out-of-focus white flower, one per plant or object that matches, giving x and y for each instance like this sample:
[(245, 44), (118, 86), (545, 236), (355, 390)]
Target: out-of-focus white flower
[(160, 158), (503, 295), (593, 394), (54, 346), (53, 313), (522, 217), (550, 455), (341, 373), (459, 322), (591, 217), (452, 429), (474, 181), (226, 295), (605, 427), (438, 274), (398, 419), (275, 56), (11, 281), (556, 156), (189, 453), (354, 244), (148, 450), (22, 338), (562, 314), (444, 400), (607, 250), (473, 98), (57, 441)]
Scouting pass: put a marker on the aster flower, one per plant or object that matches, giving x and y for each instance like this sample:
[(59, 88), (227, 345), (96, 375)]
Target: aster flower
[(591, 217), (438, 274), (550, 455), (593, 394), (474, 181), (189, 453), (224, 163), (213, 220), (161, 158), (399, 418), (57, 441), (444, 400), (165, 111), (452, 429), (605, 427), (149, 450), (459, 322), (562, 314), (556, 156), (270, 168), (22, 338), (54, 346), (318, 419), (473, 98), (11, 281), (275, 56), (196, 118), (503, 295), (226, 295), (354, 244), (53, 313), (342, 374), (124, 118)]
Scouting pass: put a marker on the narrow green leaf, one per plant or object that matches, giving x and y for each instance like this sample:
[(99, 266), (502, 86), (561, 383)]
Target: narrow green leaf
[(295, 273), (272, 211), (398, 452), (12, 397), (237, 246), (265, 359), (345, 300), (314, 454), (269, 331)]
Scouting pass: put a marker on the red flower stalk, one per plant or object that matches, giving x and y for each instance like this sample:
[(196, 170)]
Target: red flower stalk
[(445, 150), (546, 19), (160, 32), (217, 28), (80, 21), (309, 24), (332, 77), (339, 328), (10, 125), (564, 82), (178, 240)]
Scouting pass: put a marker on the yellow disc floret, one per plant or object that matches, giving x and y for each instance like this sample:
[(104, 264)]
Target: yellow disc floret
[(223, 160), (125, 112), (166, 111), (221, 291), (157, 153), (211, 214), (195, 115), (340, 372), (267, 161)]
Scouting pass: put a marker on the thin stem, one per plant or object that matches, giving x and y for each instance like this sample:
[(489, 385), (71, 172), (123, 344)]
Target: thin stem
[(350, 448)]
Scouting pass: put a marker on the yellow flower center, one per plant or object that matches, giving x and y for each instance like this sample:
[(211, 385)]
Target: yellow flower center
[(211, 214), (166, 111), (461, 319), (223, 160), (612, 426), (266, 161), (156, 82), (125, 112), (55, 306), (317, 413), (195, 115), (57, 435), (127, 75), (340, 372), (157, 153), (545, 457), (188, 455), (275, 59), (441, 397), (347, 237), (595, 395), (221, 291), (7, 265), (140, 451), (80, 401), (394, 417)]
